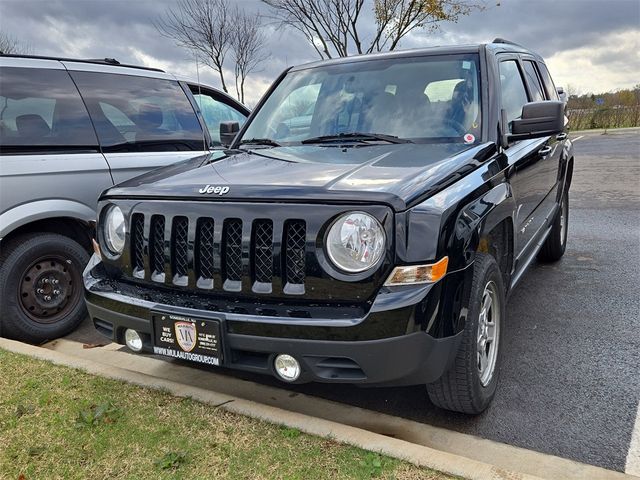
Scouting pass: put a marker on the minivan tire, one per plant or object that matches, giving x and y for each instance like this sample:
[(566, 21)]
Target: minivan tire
[(41, 287), (462, 387)]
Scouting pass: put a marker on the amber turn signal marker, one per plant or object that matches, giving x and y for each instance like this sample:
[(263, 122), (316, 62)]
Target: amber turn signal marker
[(413, 274), (96, 248)]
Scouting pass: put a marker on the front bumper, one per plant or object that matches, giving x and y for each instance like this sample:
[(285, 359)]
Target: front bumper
[(362, 350)]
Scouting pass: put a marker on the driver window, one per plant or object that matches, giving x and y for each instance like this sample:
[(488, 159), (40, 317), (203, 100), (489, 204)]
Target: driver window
[(514, 95), (295, 113)]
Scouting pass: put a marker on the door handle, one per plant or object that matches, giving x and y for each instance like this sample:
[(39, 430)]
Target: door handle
[(561, 136), (545, 151)]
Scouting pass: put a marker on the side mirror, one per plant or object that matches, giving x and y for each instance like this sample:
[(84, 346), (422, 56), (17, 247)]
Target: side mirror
[(562, 94), (538, 119), (228, 131)]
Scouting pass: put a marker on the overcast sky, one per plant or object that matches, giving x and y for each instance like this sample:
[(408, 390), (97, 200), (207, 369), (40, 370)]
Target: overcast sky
[(592, 45)]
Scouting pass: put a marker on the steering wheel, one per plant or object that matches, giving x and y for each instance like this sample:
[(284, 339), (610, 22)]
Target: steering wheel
[(458, 127)]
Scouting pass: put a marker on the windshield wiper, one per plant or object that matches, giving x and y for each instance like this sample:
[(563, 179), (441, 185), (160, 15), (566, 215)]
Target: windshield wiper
[(357, 136), (260, 141)]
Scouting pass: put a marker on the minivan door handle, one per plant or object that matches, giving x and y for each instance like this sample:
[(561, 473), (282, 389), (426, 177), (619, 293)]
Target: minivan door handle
[(545, 151), (561, 136)]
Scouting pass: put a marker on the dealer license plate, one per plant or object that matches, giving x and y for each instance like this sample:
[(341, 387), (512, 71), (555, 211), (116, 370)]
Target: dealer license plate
[(188, 338)]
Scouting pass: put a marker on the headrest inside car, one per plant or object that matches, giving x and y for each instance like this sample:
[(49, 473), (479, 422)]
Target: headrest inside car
[(149, 116), (32, 126)]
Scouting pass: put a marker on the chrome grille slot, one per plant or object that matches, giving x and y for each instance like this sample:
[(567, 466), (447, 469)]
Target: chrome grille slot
[(262, 256), (205, 253), (180, 250), (137, 245), (232, 257), (156, 248), (295, 256)]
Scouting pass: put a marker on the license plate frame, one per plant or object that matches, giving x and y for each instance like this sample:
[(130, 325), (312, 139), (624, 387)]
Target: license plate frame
[(186, 337)]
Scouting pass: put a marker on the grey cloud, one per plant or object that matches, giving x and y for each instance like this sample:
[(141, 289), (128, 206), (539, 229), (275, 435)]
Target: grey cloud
[(118, 28)]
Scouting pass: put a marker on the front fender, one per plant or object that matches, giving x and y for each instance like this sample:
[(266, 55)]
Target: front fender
[(453, 221), (41, 210)]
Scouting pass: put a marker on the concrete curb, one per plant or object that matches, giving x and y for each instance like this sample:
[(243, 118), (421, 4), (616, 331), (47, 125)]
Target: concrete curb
[(407, 450), (417, 454)]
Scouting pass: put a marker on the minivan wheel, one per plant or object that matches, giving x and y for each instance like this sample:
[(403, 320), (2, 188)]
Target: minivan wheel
[(41, 287), (470, 383)]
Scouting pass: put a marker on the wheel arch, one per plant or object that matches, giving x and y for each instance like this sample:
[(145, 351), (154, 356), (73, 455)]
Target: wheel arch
[(71, 219)]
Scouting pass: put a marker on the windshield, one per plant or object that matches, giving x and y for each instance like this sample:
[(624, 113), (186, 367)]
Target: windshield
[(421, 99)]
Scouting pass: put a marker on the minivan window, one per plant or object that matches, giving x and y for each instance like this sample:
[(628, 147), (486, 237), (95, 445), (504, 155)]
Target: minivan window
[(138, 114), (214, 112), (514, 95), (387, 97), (41, 109), (537, 91)]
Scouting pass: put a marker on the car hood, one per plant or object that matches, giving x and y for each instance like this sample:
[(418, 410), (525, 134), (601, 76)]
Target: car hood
[(393, 174)]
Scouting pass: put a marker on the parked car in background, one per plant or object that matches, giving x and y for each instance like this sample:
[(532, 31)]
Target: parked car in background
[(366, 226), (68, 130)]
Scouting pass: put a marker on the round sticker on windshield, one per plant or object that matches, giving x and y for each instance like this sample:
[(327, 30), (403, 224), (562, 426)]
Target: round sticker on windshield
[(469, 138)]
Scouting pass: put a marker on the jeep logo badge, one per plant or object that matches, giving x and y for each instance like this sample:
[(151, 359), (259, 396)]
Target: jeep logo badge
[(217, 190)]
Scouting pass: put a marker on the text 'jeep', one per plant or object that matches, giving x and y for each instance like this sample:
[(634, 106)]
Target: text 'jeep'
[(365, 226)]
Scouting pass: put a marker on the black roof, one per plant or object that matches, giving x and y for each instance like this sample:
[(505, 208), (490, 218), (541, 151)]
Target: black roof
[(499, 44), (100, 61)]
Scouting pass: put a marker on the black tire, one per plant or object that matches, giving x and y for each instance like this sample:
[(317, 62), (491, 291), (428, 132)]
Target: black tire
[(461, 388), (556, 243), (50, 263)]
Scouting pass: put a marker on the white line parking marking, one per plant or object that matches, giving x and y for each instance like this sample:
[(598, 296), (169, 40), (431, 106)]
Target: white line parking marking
[(633, 456), (578, 138)]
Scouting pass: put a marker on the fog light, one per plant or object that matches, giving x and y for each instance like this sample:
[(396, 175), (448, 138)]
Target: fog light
[(287, 367), (133, 340)]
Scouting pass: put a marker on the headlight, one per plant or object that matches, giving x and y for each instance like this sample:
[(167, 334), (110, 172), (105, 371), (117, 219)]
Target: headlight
[(355, 242), (114, 230)]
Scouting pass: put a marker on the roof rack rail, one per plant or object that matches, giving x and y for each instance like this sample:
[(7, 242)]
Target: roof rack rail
[(110, 61), (504, 40), (99, 61)]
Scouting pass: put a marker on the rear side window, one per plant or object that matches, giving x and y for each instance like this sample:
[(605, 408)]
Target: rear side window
[(214, 112), (139, 114), (514, 95), (41, 110), (552, 93), (537, 92)]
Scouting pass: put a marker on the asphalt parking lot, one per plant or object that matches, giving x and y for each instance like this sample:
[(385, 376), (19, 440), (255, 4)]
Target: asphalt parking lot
[(570, 381)]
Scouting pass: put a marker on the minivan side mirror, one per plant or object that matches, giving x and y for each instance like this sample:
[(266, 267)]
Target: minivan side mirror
[(228, 131), (538, 119)]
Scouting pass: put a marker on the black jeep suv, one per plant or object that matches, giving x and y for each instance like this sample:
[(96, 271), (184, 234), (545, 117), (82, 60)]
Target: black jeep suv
[(365, 226)]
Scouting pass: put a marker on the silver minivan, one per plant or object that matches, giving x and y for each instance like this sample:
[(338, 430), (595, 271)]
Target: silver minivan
[(68, 130)]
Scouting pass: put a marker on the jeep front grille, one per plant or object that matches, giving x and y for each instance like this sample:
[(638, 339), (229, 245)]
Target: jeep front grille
[(220, 254)]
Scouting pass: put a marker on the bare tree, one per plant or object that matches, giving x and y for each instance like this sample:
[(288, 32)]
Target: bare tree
[(247, 42), (10, 44), (333, 27), (202, 26)]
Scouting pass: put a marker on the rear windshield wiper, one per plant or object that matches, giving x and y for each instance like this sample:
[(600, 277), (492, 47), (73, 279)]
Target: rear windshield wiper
[(260, 141), (357, 136)]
